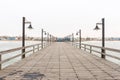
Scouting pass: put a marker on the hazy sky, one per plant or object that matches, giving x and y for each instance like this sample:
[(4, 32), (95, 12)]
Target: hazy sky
[(60, 17)]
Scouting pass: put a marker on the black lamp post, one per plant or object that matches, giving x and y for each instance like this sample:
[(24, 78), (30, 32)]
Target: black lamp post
[(51, 38), (72, 38), (42, 38), (103, 36), (48, 38), (79, 37), (23, 34)]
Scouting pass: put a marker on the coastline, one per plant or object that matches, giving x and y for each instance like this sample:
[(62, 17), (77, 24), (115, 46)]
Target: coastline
[(75, 41), (18, 40)]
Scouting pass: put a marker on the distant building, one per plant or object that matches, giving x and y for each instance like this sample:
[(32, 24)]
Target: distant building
[(115, 39), (2, 39), (63, 39), (11, 38)]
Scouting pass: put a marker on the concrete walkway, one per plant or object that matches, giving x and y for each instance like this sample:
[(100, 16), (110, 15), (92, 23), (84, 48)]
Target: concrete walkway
[(61, 61)]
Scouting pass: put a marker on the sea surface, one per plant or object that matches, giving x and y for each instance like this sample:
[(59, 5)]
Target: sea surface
[(5, 45)]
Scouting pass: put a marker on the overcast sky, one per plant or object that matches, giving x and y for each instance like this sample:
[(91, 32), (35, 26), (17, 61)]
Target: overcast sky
[(60, 17)]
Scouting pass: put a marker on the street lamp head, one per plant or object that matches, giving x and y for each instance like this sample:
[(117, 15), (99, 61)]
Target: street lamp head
[(45, 33), (72, 34), (77, 33), (30, 27), (96, 28)]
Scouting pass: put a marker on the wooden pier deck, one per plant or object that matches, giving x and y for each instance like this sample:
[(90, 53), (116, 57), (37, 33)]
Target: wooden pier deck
[(61, 61)]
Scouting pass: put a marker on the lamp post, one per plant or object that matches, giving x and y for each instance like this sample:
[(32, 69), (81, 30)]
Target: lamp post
[(41, 38), (79, 37), (72, 38), (103, 36), (47, 38), (42, 31), (23, 34), (50, 39)]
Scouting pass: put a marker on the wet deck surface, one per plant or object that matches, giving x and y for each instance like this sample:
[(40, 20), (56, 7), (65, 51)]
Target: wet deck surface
[(61, 61)]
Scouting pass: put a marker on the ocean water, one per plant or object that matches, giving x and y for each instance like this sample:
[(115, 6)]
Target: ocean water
[(5, 45)]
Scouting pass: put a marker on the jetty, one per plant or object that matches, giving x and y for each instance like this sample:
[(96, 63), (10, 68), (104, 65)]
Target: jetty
[(60, 61)]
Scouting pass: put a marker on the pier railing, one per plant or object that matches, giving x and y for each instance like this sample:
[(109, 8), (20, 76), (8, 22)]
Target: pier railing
[(31, 48), (97, 49)]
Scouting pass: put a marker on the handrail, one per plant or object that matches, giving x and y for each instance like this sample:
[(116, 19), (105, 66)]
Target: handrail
[(90, 48), (34, 47), (106, 48), (16, 49)]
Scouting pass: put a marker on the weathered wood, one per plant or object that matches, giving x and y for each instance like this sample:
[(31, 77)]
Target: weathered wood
[(90, 49), (101, 48), (16, 49), (0, 61), (34, 49), (38, 47), (61, 61), (110, 49)]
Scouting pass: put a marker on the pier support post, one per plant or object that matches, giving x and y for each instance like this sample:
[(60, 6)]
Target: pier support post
[(42, 39), (80, 38), (73, 39), (103, 37), (90, 49), (0, 60), (50, 39), (23, 37)]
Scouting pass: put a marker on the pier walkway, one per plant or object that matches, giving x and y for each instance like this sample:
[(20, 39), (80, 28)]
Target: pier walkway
[(61, 61)]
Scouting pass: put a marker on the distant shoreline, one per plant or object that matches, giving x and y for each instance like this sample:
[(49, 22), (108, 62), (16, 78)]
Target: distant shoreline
[(16, 40), (76, 41)]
